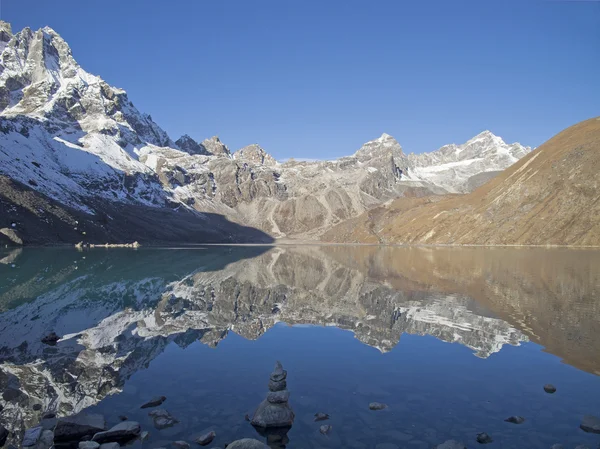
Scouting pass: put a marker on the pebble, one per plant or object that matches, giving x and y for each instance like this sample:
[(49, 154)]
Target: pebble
[(154, 402), (321, 416), (549, 388), (590, 424), (484, 438), (206, 438), (377, 406), (181, 445), (515, 419), (325, 429)]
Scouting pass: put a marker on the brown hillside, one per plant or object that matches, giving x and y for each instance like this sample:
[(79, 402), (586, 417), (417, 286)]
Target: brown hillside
[(550, 197)]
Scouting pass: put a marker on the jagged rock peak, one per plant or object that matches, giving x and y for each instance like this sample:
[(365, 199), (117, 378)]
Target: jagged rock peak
[(5, 31), (385, 144), (215, 147), (255, 153), (189, 145)]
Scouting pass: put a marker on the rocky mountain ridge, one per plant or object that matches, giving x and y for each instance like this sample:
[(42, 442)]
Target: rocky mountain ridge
[(550, 197), (72, 137)]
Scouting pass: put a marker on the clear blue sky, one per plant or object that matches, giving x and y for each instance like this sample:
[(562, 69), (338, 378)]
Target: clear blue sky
[(316, 79)]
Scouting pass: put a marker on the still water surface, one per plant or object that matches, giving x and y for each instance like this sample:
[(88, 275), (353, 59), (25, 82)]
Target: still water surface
[(452, 340)]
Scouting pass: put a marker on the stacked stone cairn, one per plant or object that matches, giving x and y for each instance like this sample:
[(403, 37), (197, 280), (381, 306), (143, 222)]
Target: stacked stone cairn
[(275, 411)]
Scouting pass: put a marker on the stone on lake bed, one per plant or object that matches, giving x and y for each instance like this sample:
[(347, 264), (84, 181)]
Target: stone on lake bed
[(162, 418), (484, 438), (321, 416), (75, 428), (451, 444), (590, 424), (181, 445), (88, 445), (557, 446), (247, 443), (549, 388), (515, 419), (377, 406), (325, 429), (273, 415), (154, 402), (206, 438), (3, 435), (32, 436), (110, 446), (123, 431)]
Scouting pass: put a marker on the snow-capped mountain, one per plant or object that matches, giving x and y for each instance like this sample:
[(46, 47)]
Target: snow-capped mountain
[(72, 137), (461, 168)]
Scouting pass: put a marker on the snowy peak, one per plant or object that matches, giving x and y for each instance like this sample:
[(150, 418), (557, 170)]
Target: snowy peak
[(385, 145), (215, 147), (254, 153), (452, 166)]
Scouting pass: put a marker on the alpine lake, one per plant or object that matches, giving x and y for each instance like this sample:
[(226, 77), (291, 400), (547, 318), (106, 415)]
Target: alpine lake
[(452, 340)]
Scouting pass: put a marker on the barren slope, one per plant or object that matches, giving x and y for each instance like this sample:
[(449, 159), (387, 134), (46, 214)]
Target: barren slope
[(550, 197)]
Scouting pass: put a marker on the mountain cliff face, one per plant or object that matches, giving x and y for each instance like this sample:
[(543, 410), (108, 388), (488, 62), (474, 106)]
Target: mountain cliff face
[(548, 197), (71, 137)]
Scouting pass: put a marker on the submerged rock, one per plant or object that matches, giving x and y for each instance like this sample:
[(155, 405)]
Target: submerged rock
[(32, 436), (451, 444), (557, 446), (275, 414), (124, 431), (110, 446), (325, 429), (377, 406), (321, 416), (247, 443), (549, 388), (154, 402), (75, 428), (484, 438), (206, 438), (162, 418), (590, 424), (88, 445), (181, 445), (51, 338), (515, 419)]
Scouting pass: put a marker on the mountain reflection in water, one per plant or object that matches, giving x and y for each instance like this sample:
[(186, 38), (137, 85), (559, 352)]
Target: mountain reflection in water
[(118, 310)]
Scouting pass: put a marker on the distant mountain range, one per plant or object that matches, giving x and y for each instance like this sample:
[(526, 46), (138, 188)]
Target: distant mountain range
[(549, 197), (78, 162)]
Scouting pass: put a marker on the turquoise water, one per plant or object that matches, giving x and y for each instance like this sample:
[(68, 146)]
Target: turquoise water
[(452, 340)]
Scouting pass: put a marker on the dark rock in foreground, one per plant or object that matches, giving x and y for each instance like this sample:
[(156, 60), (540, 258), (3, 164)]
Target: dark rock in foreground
[(154, 402), (206, 438), (451, 444), (590, 424), (124, 431), (181, 445), (275, 410), (75, 428), (484, 438), (515, 419), (549, 388), (247, 443), (377, 406)]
